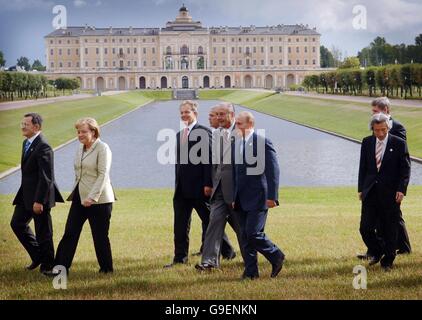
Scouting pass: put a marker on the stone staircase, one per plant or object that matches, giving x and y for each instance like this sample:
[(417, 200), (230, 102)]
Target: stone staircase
[(185, 94)]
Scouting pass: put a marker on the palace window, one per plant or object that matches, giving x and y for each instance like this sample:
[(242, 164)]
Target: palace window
[(184, 49)]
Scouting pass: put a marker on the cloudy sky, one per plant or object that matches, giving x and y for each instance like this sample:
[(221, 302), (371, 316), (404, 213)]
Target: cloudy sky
[(24, 23)]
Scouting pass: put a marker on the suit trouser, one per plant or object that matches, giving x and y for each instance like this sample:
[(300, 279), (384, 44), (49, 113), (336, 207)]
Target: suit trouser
[(221, 212), (183, 208), (403, 241), (98, 216), (384, 214), (40, 246), (252, 224)]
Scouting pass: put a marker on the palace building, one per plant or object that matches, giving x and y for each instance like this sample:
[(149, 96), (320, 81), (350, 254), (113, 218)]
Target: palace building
[(184, 54)]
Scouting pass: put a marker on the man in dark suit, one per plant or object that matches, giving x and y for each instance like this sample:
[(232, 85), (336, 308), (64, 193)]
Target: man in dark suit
[(384, 174), (256, 180), (37, 194), (382, 105), (193, 179)]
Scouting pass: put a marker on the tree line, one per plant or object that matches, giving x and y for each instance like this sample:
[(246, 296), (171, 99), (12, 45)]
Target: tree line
[(378, 53), (23, 85), (402, 81)]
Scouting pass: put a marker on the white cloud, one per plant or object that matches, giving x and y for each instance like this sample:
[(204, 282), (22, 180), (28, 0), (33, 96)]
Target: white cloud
[(19, 5), (328, 15), (79, 3)]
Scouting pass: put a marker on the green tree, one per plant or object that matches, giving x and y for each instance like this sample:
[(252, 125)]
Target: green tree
[(23, 62), (327, 59), (418, 40), (37, 65), (2, 61), (350, 63)]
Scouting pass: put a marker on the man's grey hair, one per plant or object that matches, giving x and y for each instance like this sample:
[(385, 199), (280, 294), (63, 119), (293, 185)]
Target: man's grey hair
[(383, 103), (378, 118), (227, 105)]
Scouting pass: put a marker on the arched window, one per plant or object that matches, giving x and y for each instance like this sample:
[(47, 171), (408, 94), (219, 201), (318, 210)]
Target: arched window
[(168, 50), (184, 49), (200, 50)]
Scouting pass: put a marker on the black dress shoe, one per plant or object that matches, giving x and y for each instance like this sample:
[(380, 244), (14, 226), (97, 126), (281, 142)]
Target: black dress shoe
[(33, 265), (277, 268), (249, 276), (50, 273), (204, 267), (403, 251), (230, 256), (373, 260), (363, 256), (106, 270)]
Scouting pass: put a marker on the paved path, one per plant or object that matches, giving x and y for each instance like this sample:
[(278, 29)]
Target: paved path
[(394, 102), (307, 157), (29, 103)]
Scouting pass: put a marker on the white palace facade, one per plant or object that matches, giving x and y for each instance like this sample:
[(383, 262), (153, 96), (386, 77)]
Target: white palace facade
[(183, 54)]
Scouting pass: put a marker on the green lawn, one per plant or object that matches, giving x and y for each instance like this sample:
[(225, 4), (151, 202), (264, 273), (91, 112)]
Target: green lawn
[(316, 227), (343, 117), (59, 119)]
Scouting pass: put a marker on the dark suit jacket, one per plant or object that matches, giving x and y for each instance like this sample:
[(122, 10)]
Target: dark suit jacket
[(398, 130), (253, 190), (38, 184), (191, 178), (394, 172)]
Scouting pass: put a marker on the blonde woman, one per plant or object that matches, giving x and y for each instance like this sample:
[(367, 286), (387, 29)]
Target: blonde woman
[(92, 197)]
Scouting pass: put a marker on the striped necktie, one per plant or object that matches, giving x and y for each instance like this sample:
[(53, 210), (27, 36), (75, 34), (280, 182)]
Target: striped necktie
[(378, 153), (26, 147)]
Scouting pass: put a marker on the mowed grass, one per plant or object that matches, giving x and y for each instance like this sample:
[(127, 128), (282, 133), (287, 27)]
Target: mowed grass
[(347, 118), (316, 227), (59, 119)]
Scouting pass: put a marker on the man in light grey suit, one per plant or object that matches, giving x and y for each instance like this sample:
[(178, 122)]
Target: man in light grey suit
[(222, 193)]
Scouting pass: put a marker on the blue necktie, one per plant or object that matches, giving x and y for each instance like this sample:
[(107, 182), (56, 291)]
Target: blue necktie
[(26, 148)]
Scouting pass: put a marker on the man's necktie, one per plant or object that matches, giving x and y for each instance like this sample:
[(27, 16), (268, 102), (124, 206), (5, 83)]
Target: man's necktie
[(185, 135), (378, 152), (26, 147)]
